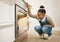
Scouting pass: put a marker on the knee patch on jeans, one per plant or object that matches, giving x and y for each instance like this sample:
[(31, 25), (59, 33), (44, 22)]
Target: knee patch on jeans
[(44, 31), (47, 30)]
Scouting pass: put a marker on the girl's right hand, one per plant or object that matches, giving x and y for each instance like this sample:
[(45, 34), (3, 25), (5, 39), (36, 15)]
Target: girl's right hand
[(27, 5)]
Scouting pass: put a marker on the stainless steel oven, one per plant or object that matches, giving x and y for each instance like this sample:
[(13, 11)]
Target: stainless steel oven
[(21, 20)]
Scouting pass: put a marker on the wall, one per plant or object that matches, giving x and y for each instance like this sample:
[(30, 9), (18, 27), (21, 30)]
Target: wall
[(56, 12), (7, 30)]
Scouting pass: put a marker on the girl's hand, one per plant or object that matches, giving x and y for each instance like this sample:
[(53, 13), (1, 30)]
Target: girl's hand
[(27, 5)]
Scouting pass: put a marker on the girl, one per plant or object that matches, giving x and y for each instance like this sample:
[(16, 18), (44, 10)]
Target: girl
[(46, 23)]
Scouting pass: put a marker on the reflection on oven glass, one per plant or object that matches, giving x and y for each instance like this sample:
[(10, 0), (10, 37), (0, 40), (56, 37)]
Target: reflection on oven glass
[(21, 19), (22, 23)]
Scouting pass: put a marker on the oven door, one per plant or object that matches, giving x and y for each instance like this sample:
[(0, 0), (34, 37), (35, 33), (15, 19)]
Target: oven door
[(21, 19)]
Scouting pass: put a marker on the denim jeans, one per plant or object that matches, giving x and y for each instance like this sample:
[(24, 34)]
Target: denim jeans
[(45, 29)]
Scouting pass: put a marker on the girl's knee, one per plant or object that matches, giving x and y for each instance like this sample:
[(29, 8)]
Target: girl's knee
[(44, 30), (37, 27), (47, 29)]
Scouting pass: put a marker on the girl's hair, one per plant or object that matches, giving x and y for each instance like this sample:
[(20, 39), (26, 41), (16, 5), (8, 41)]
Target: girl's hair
[(42, 9)]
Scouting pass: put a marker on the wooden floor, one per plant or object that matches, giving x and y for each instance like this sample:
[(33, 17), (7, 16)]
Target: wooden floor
[(34, 37)]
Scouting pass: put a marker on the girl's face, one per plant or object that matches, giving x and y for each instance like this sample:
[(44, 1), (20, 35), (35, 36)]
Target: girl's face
[(41, 15)]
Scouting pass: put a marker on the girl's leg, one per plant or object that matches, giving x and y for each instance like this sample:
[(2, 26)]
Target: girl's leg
[(47, 29), (38, 29)]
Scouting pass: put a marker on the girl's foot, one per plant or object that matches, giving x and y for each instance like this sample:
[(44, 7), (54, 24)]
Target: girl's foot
[(50, 37), (41, 36)]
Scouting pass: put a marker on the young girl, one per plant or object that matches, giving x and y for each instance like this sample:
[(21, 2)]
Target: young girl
[(46, 23)]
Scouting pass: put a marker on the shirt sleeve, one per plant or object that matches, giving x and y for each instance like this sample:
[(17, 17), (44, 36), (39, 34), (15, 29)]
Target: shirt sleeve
[(50, 21)]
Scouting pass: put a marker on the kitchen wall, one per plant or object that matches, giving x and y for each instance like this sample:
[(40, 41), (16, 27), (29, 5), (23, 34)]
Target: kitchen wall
[(56, 12)]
